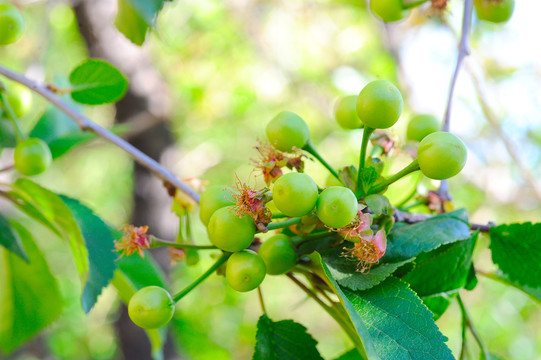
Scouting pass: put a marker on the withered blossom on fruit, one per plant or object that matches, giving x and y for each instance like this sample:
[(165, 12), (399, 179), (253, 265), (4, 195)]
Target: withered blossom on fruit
[(383, 140), (367, 251), (176, 255), (253, 203), (271, 162), (135, 239), (357, 229)]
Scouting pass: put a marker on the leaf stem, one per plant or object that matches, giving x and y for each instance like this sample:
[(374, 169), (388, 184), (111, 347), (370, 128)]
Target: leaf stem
[(156, 243), (310, 148), (413, 166), (334, 312), (222, 259), (284, 224), (88, 125), (466, 317), (362, 157), (464, 347), (261, 301)]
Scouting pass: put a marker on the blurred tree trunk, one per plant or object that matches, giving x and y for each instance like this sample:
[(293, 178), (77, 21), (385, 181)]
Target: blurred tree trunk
[(150, 197)]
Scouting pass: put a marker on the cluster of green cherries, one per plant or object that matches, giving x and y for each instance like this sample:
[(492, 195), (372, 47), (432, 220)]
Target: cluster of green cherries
[(496, 11), (440, 155)]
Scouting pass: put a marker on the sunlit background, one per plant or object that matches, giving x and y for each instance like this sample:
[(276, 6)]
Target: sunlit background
[(215, 72)]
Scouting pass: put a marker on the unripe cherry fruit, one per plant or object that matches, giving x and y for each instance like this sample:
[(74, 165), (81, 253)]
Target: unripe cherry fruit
[(388, 10), (496, 11), (295, 194), (151, 307), (379, 104), (288, 130), (11, 24), (441, 155), (336, 206), (245, 270), (229, 232), (278, 254), (345, 113), (421, 125)]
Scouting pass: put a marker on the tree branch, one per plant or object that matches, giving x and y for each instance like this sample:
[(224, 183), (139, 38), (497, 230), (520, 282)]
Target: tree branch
[(412, 218), (463, 51), (88, 125)]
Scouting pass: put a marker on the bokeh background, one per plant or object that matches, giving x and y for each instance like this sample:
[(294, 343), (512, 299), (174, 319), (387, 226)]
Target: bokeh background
[(203, 87)]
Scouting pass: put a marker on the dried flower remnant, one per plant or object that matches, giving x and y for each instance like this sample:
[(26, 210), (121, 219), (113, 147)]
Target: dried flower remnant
[(383, 140), (271, 161), (176, 255), (135, 239), (358, 229), (367, 251), (253, 203)]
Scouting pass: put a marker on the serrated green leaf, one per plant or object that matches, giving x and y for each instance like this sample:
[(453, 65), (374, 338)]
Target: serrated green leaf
[(535, 293), (516, 249), (100, 244), (283, 340), (10, 239), (29, 295), (97, 82), (353, 354), (406, 241), (50, 210), (400, 326), (442, 270), (130, 23), (343, 270), (379, 204)]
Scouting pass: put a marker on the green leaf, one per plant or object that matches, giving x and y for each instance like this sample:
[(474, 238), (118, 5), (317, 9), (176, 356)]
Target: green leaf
[(283, 340), (471, 281), (442, 270), (353, 354), (48, 208), (7, 134), (343, 270), (400, 326), (10, 240), (147, 9), (379, 204), (535, 293), (130, 23), (142, 272), (100, 244), (406, 241), (97, 82), (29, 295), (438, 304), (516, 249), (59, 131)]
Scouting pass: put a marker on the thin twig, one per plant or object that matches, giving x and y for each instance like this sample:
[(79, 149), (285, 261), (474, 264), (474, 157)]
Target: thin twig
[(261, 301), (88, 125), (463, 51), (473, 330), (412, 218), (496, 126), (464, 347)]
